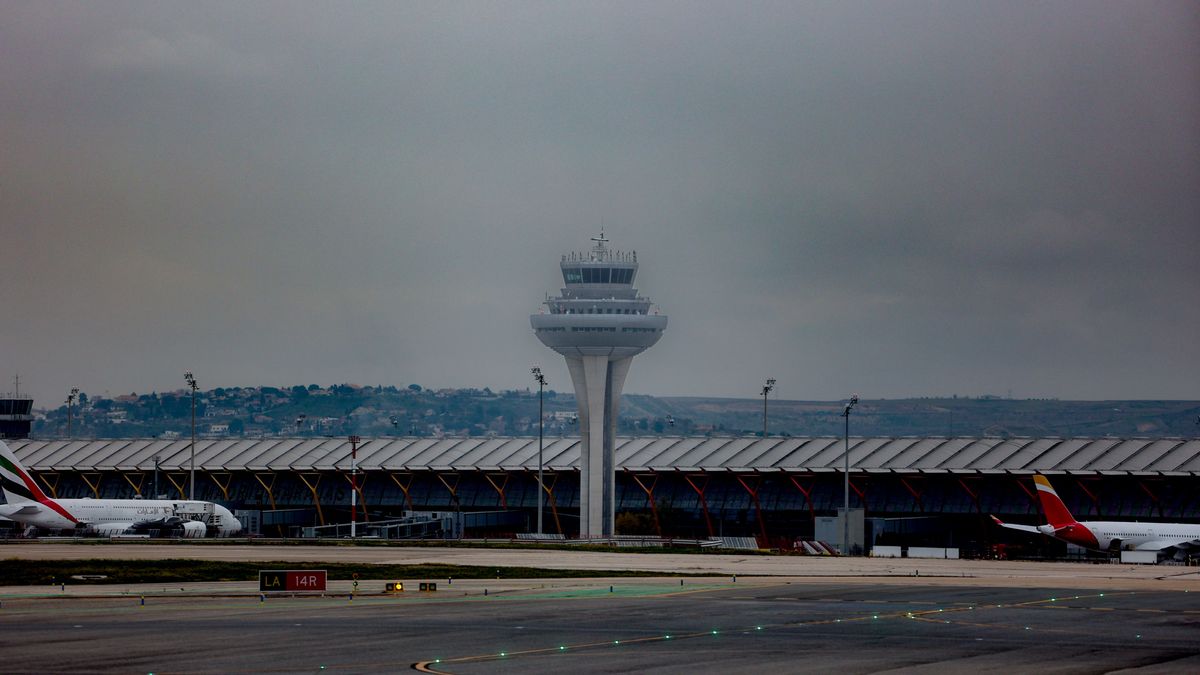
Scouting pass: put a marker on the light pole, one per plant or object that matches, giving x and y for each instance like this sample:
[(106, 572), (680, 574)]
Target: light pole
[(191, 381), (766, 390), (156, 477), (70, 405), (354, 485), (846, 503), (541, 380)]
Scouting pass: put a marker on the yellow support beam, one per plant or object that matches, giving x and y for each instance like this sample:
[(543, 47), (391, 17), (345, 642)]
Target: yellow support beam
[(137, 487), (499, 488), (452, 488), (179, 484), (224, 487), (50, 478), (268, 488), (312, 487), (94, 486), (404, 487)]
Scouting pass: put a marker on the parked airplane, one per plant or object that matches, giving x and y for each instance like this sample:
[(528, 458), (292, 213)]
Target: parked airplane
[(1104, 535), (28, 505)]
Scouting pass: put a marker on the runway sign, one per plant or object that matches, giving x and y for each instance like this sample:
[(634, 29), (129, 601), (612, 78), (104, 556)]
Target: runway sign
[(291, 580)]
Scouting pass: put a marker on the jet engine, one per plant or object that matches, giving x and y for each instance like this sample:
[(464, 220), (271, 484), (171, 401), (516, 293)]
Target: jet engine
[(193, 529)]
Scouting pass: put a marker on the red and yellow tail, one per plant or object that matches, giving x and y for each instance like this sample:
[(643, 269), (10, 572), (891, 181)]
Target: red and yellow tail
[(1054, 508)]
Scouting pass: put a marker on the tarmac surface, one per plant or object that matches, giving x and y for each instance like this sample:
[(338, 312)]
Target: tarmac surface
[(815, 615)]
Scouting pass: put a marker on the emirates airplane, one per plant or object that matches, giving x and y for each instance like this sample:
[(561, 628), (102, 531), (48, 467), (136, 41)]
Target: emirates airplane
[(1106, 535), (28, 505)]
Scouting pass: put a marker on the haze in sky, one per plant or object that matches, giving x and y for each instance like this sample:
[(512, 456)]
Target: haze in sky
[(894, 199)]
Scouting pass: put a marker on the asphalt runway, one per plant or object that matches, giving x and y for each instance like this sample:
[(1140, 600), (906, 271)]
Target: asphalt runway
[(642, 625), (778, 614), (966, 572)]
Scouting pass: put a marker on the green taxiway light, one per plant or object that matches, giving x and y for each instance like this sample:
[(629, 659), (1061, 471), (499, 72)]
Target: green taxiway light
[(503, 654), (876, 616), (714, 632), (758, 628), (616, 642), (562, 648)]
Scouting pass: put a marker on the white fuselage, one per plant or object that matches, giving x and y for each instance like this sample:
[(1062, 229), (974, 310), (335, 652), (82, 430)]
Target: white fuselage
[(1143, 536), (112, 515)]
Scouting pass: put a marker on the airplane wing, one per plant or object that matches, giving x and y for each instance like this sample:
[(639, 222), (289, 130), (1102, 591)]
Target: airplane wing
[(1011, 526), (24, 510)]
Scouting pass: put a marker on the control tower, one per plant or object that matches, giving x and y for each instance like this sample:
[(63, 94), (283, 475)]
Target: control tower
[(599, 324)]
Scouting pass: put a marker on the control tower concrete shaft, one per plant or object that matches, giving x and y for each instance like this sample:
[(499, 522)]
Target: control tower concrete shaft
[(599, 324)]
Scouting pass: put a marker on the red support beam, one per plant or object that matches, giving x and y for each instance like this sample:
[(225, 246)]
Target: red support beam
[(807, 494), (916, 494), (974, 495), (1153, 497), (356, 484), (1091, 495), (549, 488), (1033, 500), (762, 526), (703, 502), (650, 495)]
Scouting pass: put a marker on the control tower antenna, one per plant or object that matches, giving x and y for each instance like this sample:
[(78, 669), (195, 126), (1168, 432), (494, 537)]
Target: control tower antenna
[(598, 324)]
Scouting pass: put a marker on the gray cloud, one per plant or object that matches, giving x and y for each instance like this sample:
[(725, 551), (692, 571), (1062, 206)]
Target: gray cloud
[(899, 199)]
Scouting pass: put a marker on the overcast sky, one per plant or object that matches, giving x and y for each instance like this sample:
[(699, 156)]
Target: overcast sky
[(890, 198)]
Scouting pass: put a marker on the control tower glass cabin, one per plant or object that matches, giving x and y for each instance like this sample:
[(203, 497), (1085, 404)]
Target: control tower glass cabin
[(599, 324)]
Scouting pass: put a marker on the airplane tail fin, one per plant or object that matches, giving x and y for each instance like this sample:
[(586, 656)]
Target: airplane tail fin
[(15, 481), (1054, 508)]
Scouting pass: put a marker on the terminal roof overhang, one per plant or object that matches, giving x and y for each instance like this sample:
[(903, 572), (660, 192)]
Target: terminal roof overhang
[(1094, 456)]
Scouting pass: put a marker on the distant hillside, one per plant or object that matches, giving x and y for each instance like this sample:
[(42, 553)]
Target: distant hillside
[(413, 410), (940, 416)]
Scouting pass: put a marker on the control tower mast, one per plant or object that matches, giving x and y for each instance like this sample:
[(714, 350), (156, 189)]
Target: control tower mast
[(599, 324)]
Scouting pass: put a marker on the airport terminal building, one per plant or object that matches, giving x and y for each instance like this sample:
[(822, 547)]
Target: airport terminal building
[(918, 491)]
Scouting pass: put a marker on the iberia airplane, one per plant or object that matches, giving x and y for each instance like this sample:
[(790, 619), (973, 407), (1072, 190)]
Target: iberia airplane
[(28, 505), (1104, 535)]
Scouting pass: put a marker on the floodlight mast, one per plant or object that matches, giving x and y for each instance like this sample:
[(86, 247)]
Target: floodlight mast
[(191, 382), (541, 380), (354, 485), (70, 406), (766, 390), (846, 476)]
